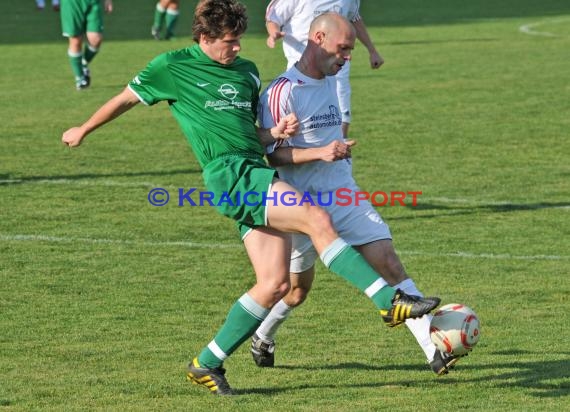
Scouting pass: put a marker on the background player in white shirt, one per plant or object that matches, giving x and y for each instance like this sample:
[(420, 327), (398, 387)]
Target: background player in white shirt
[(315, 161), (290, 20)]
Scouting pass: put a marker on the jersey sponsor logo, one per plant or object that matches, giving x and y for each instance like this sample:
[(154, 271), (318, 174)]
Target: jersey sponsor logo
[(225, 105), (320, 120), (228, 91)]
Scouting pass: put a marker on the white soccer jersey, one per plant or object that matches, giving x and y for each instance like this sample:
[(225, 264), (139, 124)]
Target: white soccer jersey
[(295, 17), (315, 103)]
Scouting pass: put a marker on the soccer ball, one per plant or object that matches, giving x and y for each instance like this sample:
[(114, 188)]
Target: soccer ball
[(455, 329)]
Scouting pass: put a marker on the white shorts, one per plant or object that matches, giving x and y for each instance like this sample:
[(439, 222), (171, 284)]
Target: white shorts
[(357, 225)]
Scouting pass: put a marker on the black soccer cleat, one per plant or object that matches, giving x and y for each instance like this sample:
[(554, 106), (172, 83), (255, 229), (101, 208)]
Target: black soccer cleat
[(86, 75), (263, 352), (407, 307), (155, 33), (82, 83), (213, 379), (442, 362)]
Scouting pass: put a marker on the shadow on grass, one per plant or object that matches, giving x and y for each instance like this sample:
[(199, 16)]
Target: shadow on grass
[(535, 376), (6, 179)]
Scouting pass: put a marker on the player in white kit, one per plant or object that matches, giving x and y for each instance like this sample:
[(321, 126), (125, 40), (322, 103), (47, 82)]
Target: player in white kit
[(315, 162), (290, 20)]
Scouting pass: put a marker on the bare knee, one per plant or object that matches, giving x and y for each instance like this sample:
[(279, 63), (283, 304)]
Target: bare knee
[(319, 218), (277, 290), (296, 296), (321, 230), (75, 44), (280, 290), (268, 293), (94, 39), (301, 283)]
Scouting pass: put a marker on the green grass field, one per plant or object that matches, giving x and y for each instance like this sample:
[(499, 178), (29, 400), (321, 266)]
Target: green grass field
[(104, 298)]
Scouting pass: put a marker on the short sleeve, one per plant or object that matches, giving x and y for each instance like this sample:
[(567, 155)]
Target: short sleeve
[(155, 83), (280, 11), (275, 103)]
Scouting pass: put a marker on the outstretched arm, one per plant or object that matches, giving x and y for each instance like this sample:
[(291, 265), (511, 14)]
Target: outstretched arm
[(118, 105)]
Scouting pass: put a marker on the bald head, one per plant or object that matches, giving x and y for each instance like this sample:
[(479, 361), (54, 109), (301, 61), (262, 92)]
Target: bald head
[(330, 22), (329, 47)]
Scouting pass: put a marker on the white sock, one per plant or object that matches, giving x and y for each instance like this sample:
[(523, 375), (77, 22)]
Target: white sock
[(420, 326), (276, 317)]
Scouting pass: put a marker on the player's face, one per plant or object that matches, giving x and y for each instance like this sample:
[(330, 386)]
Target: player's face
[(338, 46), (224, 50)]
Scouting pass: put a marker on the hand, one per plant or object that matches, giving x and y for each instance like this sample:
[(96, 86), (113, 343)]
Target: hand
[(287, 127), (272, 38), (337, 150), (73, 137), (376, 60)]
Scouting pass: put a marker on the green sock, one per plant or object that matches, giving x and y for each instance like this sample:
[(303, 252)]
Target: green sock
[(89, 53), (159, 13), (171, 18), (75, 62), (243, 319), (348, 263)]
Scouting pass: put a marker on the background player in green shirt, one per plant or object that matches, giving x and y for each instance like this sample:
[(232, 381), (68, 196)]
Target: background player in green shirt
[(166, 11), (213, 95), (79, 19)]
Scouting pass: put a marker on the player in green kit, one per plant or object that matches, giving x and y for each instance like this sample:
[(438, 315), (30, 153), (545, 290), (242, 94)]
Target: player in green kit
[(213, 95), (165, 14), (79, 19)]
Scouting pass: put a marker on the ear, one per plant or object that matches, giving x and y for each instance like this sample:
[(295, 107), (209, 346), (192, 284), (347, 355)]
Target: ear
[(319, 37), (204, 39)]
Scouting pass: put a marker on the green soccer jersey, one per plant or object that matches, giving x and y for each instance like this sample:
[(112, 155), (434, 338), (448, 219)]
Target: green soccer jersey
[(214, 104)]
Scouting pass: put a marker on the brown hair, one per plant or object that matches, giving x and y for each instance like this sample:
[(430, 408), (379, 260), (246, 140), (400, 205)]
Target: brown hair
[(216, 18)]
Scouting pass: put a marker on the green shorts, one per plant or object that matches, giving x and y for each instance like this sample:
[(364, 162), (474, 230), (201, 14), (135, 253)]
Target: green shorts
[(239, 185), (81, 16)]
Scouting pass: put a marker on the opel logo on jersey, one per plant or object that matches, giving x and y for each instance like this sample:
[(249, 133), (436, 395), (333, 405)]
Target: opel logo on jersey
[(228, 91)]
